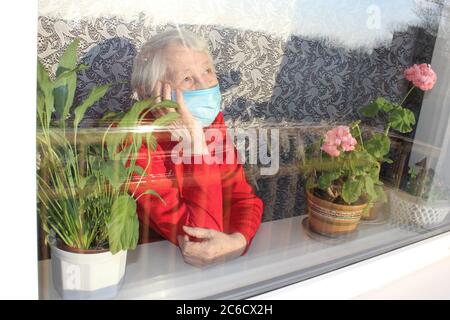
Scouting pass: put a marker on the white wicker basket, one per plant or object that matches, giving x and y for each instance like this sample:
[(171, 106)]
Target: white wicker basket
[(410, 211)]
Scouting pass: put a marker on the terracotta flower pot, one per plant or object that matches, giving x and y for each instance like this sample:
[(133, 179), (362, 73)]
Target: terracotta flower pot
[(332, 219)]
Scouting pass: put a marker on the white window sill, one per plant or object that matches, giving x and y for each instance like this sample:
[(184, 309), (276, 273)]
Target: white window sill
[(282, 253)]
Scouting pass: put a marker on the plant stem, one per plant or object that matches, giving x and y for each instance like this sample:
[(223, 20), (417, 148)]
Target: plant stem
[(410, 90), (360, 136), (386, 131)]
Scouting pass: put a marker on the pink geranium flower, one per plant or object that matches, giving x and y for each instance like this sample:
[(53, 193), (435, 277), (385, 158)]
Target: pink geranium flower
[(421, 75), (338, 139)]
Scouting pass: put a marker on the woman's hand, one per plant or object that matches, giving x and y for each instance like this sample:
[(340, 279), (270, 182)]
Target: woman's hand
[(215, 246), (186, 126)]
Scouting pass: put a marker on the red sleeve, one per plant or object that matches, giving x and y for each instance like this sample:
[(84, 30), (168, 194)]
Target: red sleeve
[(242, 208), (191, 193)]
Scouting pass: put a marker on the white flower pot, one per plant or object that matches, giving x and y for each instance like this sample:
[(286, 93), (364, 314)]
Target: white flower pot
[(87, 275), (410, 211)]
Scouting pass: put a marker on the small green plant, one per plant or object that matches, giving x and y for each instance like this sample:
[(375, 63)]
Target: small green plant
[(86, 178), (423, 183)]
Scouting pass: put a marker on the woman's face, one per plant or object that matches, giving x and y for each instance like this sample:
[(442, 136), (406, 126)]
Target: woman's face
[(188, 69)]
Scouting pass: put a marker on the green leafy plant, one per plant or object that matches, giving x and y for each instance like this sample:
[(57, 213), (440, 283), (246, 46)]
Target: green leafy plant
[(423, 183), (343, 168), (401, 119), (87, 178), (395, 115)]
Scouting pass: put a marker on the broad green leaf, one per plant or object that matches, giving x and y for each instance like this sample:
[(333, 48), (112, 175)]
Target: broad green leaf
[(327, 178), (115, 172), (131, 118), (123, 227), (374, 173), (60, 95), (378, 145), (370, 110), (166, 104), (68, 60), (370, 188), (68, 73), (112, 116), (96, 94), (113, 142), (358, 162), (379, 104), (46, 87), (166, 119), (137, 140), (352, 190), (124, 154), (43, 79), (402, 120), (64, 91), (384, 105)]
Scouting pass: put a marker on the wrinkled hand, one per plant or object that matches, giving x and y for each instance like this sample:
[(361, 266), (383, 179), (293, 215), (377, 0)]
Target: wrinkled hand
[(215, 246), (186, 127)]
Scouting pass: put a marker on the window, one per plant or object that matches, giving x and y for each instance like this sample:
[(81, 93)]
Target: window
[(307, 136)]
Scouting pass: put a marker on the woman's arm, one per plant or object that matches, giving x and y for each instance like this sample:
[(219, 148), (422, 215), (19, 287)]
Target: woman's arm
[(191, 193), (242, 208)]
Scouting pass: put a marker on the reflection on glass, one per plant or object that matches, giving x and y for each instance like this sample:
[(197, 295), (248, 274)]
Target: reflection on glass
[(290, 148)]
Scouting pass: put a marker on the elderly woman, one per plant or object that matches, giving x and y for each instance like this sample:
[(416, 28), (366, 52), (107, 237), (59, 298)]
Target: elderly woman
[(208, 209)]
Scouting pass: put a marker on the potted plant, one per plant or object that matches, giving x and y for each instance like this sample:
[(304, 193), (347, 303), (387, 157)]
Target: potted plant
[(425, 202), (86, 204), (342, 179), (395, 115)]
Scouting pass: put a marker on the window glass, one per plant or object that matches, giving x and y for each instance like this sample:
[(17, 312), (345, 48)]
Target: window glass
[(222, 149)]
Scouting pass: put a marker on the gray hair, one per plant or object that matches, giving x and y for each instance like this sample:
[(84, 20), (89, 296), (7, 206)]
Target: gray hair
[(150, 65)]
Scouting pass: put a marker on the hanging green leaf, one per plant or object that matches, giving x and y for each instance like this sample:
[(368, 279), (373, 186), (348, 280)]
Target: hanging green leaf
[(166, 119), (154, 193), (132, 116), (46, 87), (40, 102), (96, 94), (123, 227), (370, 188), (352, 190), (115, 172), (65, 84), (166, 104)]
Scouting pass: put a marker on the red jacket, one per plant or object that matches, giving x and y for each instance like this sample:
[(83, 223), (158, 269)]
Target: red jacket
[(206, 195)]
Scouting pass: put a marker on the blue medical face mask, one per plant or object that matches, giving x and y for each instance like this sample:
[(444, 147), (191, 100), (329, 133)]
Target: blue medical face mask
[(204, 104)]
